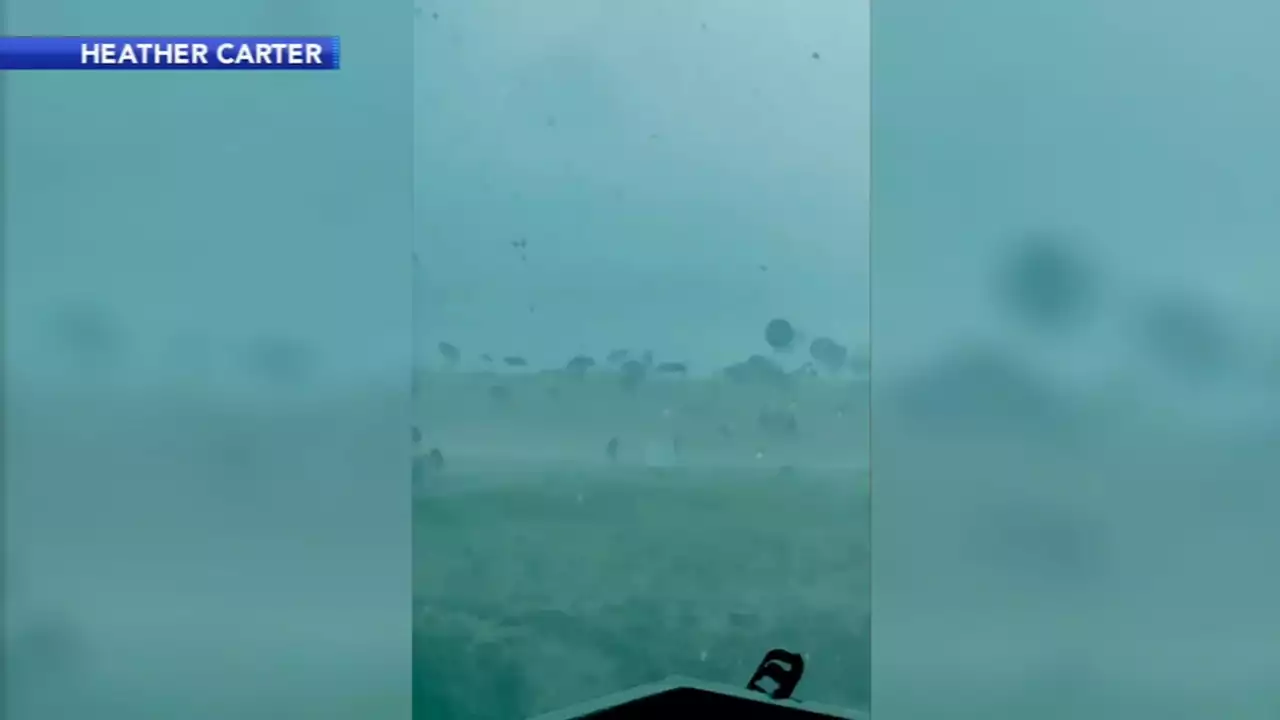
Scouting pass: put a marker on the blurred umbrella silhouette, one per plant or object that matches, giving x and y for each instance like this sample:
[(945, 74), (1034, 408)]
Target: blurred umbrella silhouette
[(780, 334), (86, 335), (280, 360), (1186, 335), (828, 353), (451, 353), (1045, 284)]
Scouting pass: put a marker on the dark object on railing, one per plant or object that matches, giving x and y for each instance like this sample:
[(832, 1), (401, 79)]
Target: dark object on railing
[(784, 669), (693, 700)]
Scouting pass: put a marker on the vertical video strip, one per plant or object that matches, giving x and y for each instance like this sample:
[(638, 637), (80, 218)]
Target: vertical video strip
[(415, 365)]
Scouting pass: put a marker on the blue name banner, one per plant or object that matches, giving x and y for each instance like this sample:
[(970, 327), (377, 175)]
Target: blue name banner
[(169, 53)]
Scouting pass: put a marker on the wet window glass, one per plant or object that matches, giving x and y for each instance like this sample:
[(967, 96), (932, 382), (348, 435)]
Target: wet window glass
[(641, 344)]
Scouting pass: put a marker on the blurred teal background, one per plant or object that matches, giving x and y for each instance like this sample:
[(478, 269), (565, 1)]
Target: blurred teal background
[(1075, 344), (210, 312), (207, 365)]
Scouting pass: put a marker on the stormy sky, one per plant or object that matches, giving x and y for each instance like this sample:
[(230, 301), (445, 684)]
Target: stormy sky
[(1140, 134), (201, 213), (682, 172), (654, 158)]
